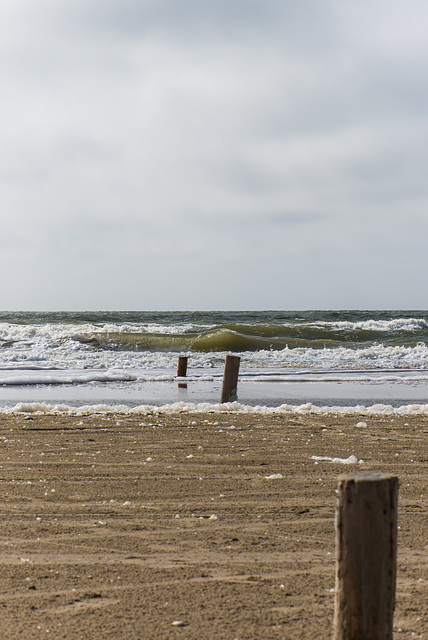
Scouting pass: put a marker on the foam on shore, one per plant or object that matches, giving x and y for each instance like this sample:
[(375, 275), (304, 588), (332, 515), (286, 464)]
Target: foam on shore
[(205, 407)]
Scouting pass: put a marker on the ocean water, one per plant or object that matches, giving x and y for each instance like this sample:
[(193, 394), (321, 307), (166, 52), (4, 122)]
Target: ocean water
[(287, 357)]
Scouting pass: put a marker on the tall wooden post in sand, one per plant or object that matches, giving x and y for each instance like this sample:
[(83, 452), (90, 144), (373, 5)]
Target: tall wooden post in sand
[(229, 389), (366, 548)]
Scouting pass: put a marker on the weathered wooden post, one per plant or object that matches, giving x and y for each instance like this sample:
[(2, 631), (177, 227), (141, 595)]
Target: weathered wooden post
[(182, 367), (229, 389), (366, 549), (182, 371)]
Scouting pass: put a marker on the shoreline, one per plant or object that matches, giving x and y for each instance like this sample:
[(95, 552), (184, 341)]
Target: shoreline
[(340, 396), (120, 524), (188, 408)]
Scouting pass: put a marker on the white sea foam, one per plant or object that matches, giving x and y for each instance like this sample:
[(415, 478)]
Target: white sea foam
[(350, 460), (395, 324), (46, 377), (370, 358), (30, 374), (206, 407)]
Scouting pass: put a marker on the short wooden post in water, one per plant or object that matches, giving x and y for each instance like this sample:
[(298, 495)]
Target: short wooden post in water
[(182, 367), (229, 389), (366, 550)]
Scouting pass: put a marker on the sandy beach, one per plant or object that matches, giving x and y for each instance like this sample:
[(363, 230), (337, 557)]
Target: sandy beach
[(190, 525)]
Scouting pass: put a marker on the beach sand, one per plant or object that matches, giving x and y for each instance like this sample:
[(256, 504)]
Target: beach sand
[(117, 526)]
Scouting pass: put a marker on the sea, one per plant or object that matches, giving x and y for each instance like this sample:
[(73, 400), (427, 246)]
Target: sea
[(307, 360)]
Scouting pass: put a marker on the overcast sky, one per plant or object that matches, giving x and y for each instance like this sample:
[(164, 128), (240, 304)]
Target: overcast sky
[(233, 154)]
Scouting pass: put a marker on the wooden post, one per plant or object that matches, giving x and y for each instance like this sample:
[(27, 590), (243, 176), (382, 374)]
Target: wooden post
[(366, 549), (182, 367), (229, 389), (182, 371)]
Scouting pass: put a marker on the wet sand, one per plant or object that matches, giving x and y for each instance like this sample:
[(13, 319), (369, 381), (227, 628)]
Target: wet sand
[(117, 526)]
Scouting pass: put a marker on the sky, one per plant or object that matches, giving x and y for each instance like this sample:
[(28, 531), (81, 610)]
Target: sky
[(236, 154)]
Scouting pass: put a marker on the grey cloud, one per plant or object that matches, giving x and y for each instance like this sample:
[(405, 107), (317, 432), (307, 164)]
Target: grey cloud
[(134, 129), (77, 147), (306, 23), (293, 219), (394, 176)]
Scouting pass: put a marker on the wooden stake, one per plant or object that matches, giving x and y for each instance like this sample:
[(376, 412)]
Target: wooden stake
[(229, 389), (366, 549), (182, 367)]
